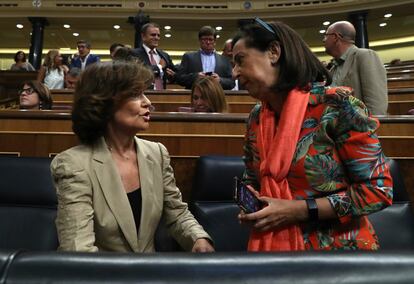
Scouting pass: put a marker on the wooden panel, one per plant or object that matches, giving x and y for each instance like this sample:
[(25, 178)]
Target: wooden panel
[(163, 96), (396, 83), (400, 107), (185, 136)]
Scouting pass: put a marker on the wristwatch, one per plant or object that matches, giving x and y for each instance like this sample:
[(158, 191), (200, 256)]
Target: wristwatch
[(313, 213)]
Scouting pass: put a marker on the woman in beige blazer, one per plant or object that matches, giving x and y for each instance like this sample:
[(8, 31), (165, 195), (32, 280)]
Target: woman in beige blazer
[(114, 188)]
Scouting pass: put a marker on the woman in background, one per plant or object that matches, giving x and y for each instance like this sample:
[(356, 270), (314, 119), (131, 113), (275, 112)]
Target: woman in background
[(207, 95), (52, 73), (20, 63), (34, 95), (114, 188)]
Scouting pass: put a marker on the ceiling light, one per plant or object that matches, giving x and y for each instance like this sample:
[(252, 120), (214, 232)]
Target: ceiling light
[(218, 28), (326, 23), (217, 36), (117, 27), (382, 24), (75, 34), (322, 31), (19, 26), (167, 27), (389, 15), (66, 26), (167, 35)]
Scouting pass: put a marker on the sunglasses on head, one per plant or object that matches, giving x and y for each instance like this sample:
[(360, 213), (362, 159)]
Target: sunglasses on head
[(264, 25)]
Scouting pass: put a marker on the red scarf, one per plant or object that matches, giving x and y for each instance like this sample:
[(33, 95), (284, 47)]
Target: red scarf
[(276, 145)]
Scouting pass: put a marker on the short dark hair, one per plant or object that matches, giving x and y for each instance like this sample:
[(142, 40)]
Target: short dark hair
[(207, 31), (17, 53), (115, 45), (298, 66), (101, 89), (74, 72), (45, 99), (87, 43), (147, 26), (126, 54)]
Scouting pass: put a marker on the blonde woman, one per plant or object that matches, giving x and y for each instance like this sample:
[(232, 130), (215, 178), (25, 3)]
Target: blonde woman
[(52, 73), (207, 95)]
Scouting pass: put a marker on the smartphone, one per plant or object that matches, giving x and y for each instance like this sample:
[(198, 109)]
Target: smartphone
[(209, 73), (246, 200)]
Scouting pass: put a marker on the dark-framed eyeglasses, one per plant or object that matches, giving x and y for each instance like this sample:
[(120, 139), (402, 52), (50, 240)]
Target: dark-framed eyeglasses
[(28, 91), (328, 34), (264, 25), (207, 39)]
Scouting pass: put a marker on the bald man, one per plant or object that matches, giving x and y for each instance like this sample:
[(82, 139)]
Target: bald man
[(355, 67)]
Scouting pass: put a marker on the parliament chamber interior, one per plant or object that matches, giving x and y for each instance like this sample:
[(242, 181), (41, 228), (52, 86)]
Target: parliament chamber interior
[(205, 148)]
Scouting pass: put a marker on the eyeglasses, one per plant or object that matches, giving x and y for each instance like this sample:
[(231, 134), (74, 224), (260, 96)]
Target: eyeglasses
[(28, 91), (337, 34), (207, 39), (264, 25)]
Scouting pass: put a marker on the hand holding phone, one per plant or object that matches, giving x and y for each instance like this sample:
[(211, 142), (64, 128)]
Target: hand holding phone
[(246, 200)]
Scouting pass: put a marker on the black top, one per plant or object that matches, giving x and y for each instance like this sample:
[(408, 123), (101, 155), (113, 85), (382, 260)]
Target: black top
[(135, 200)]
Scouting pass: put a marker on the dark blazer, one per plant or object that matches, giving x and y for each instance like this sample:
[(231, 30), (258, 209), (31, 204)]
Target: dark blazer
[(191, 65), (76, 62), (143, 56)]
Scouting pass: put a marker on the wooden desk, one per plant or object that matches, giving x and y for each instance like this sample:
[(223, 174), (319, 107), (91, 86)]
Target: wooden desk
[(167, 100), (186, 136), (400, 82)]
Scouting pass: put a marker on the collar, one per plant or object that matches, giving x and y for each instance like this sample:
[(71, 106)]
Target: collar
[(344, 56), (316, 93), (147, 49), (207, 53), (85, 59)]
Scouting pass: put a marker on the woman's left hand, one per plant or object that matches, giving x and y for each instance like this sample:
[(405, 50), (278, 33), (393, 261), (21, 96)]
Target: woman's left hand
[(277, 214), (202, 245)]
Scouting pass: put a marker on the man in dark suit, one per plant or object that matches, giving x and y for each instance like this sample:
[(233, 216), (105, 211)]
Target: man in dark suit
[(84, 57), (205, 62), (157, 59)]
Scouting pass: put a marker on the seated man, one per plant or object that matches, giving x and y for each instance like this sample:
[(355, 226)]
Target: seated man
[(205, 62), (72, 77)]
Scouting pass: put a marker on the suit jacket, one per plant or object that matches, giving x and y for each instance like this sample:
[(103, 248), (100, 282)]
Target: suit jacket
[(143, 56), (76, 62), (94, 213), (191, 65), (365, 73)]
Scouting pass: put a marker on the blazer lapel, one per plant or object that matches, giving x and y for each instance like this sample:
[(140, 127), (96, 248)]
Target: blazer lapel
[(146, 166), (112, 188), (198, 64), (349, 62)]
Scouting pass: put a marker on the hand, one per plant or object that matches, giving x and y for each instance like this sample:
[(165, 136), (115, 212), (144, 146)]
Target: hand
[(170, 73), (216, 77), (277, 214), (202, 245)]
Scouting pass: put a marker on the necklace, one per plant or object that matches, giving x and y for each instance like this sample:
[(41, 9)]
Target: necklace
[(119, 154)]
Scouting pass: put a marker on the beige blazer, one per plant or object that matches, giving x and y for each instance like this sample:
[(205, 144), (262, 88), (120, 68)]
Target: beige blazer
[(365, 73), (94, 213)]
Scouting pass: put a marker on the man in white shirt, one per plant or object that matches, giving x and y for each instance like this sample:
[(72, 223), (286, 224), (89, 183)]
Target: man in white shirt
[(205, 62), (84, 57)]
